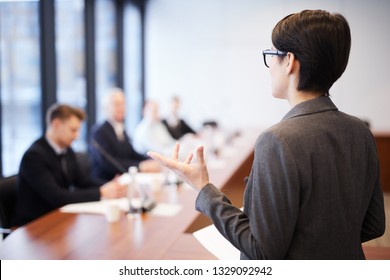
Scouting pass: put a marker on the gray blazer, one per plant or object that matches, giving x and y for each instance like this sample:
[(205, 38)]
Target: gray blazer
[(313, 191)]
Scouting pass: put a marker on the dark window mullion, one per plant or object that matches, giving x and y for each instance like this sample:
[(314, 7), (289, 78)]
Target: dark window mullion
[(120, 42), (48, 57), (90, 65), (142, 7)]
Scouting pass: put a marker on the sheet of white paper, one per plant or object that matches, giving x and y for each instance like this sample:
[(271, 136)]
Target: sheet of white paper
[(100, 207), (216, 244), (95, 207), (166, 210)]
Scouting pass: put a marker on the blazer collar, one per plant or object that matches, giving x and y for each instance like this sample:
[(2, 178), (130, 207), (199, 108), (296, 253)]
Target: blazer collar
[(313, 106)]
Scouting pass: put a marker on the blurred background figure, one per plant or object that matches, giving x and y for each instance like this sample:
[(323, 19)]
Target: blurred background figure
[(111, 149), (176, 126), (151, 134), (50, 175)]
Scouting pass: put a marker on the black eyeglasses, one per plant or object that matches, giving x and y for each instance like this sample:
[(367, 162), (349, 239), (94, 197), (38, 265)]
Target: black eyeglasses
[(271, 53)]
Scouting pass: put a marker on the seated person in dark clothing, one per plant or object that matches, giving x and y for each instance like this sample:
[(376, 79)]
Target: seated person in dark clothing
[(176, 126), (49, 175), (111, 150)]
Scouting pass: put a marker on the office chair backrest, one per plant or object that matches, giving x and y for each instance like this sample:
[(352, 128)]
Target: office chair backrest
[(7, 203)]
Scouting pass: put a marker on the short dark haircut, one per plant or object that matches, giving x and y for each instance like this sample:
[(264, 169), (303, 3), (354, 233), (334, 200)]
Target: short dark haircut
[(63, 112), (320, 41)]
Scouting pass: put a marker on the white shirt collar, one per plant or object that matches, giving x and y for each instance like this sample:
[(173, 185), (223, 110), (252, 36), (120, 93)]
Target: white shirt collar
[(119, 128), (58, 150), (173, 120)]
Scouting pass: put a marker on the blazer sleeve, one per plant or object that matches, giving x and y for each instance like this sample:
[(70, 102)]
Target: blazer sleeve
[(230, 221), (265, 228), (40, 174)]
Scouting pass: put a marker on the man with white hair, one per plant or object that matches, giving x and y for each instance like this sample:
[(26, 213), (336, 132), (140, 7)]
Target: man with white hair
[(111, 149)]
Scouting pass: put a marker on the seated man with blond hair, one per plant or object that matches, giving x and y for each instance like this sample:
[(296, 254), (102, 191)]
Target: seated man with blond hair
[(50, 176)]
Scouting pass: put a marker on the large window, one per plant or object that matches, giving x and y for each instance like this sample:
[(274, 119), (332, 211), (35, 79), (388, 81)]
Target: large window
[(106, 51), (70, 56), (20, 86), (133, 65), (68, 51)]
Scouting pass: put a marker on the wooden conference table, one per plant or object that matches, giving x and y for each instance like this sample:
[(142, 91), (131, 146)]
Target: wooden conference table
[(60, 235)]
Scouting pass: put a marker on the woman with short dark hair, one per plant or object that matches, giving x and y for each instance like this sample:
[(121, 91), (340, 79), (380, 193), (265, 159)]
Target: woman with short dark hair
[(314, 190)]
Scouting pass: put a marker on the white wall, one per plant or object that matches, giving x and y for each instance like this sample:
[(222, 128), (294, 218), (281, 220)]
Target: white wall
[(209, 52)]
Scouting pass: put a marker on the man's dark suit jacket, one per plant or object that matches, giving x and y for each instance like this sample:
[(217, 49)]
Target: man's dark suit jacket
[(121, 152), (313, 192), (42, 186)]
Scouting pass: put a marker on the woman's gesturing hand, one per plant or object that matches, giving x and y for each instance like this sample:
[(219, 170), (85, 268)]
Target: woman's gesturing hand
[(195, 174)]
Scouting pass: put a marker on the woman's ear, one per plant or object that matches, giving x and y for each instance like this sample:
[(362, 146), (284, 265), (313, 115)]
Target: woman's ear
[(290, 63)]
